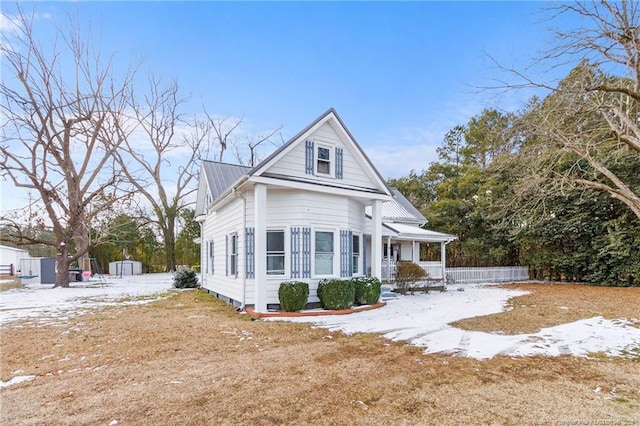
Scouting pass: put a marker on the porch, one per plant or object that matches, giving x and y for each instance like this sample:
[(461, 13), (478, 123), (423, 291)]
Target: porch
[(433, 269)]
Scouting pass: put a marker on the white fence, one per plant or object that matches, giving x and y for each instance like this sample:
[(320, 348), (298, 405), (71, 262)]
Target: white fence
[(495, 274), (498, 274)]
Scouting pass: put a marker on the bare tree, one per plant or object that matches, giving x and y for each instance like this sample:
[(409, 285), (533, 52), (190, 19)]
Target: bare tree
[(580, 134), (246, 151), (62, 113), (228, 134), (223, 129), (161, 159)]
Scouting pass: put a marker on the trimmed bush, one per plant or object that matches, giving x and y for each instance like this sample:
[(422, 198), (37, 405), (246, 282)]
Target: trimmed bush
[(336, 294), (407, 274), (321, 286), (293, 295), (185, 278), (367, 290)]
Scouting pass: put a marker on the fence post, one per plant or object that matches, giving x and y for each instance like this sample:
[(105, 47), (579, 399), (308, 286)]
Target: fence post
[(12, 271)]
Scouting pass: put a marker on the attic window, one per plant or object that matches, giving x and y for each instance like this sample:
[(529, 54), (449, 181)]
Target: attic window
[(323, 164)]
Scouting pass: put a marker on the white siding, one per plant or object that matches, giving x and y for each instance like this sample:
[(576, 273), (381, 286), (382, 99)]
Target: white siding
[(288, 208), (285, 209), (354, 174), (218, 225)]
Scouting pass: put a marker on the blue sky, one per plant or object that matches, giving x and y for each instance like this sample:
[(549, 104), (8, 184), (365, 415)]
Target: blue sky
[(399, 74)]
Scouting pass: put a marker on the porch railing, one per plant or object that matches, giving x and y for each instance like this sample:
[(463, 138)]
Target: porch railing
[(495, 274), (434, 269)]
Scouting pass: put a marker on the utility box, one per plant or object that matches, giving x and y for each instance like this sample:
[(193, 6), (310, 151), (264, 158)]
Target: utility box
[(48, 270)]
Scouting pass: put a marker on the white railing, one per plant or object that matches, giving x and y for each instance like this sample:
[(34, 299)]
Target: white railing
[(495, 274), (434, 269)]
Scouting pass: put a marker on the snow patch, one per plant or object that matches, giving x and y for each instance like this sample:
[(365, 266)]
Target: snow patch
[(16, 380), (423, 320)]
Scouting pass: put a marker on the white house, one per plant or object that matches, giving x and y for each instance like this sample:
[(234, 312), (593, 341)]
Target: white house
[(309, 211)]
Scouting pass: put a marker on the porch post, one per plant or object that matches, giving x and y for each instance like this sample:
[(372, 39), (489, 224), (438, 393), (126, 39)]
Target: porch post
[(376, 239), (389, 258), (260, 236), (414, 258), (443, 260)]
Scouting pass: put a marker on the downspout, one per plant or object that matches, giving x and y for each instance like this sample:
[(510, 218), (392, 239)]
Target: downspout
[(200, 219), (244, 233)]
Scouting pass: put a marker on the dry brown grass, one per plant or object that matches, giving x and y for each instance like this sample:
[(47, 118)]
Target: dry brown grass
[(548, 305), (8, 282), (192, 360)]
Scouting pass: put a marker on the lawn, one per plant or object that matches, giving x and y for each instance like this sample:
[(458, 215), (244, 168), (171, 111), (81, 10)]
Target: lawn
[(190, 359)]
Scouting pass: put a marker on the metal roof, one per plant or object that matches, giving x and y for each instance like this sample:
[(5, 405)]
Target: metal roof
[(418, 234), (220, 176), (399, 209)]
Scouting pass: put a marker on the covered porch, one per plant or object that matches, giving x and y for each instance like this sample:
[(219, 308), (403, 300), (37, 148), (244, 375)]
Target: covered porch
[(402, 242)]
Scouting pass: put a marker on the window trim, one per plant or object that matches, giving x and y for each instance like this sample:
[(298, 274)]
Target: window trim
[(284, 252), (335, 241), (331, 161)]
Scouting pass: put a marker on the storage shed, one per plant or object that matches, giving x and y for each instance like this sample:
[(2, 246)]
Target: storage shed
[(125, 267), (10, 258)]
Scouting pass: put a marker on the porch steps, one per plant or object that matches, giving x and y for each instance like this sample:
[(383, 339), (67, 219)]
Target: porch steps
[(387, 294)]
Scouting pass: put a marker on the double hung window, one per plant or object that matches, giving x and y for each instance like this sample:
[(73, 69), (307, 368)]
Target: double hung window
[(355, 259), (233, 255), (324, 253), (323, 164), (275, 252)]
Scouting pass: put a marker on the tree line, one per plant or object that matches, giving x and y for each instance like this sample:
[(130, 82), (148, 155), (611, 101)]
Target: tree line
[(555, 186)]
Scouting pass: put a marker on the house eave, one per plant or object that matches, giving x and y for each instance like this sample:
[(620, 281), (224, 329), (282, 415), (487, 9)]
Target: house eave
[(362, 193)]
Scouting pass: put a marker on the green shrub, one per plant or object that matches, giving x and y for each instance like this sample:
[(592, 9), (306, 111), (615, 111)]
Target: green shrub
[(293, 295), (185, 278), (336, 294), (322, 284), (407, 274), (367, 290)]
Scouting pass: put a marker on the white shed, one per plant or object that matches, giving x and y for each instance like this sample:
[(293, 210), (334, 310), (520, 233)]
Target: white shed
[(10, 258), (125, 267)]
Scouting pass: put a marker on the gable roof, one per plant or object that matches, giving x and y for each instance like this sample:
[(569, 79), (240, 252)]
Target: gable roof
[(327, 116), (221, 176)]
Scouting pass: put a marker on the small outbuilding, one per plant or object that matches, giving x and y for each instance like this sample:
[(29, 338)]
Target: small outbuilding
[(125, 267), (10, 260)]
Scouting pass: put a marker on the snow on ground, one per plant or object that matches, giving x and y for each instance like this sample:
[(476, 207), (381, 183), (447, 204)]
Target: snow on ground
[(420, 319), (48, 305)]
